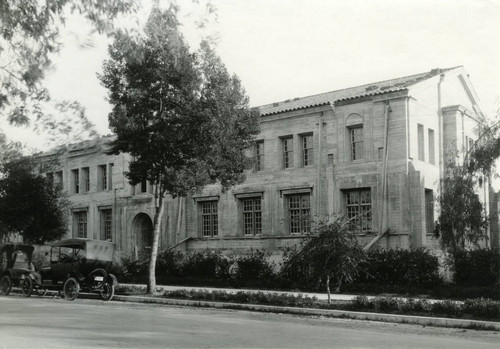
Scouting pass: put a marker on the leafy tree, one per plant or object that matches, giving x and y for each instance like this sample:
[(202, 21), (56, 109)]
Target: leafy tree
[(30, 204), (462, 218), (182, 116), (331, 253), (29, 37)]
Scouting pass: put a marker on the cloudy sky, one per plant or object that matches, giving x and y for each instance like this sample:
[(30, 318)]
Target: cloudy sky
[(283, 49)]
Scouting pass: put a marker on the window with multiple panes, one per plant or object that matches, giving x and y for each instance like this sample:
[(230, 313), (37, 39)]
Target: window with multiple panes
[(287, 152), (81, 224), (307, 150), (76, 181), (107, 219), (356, 137), (252, 216), (299, 213), (359, 208), (86, 179), (209, 219), (103, 177), (259, 156), (110, 176)]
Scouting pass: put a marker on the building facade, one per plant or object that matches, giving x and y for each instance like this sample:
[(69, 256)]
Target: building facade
[(374, 153)]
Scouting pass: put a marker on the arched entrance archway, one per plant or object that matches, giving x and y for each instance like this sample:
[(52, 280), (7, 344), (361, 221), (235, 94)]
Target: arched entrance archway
[(142, 229)]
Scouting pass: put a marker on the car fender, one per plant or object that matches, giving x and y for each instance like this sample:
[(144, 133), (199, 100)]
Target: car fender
[(112, 279)]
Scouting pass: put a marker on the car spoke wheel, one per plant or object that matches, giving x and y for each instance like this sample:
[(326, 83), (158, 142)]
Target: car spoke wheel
[(108, 291), (27, 286), (71, 289), (5, 285)]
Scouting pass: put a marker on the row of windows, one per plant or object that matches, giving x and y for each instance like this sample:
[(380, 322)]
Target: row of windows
[(430, 144), (287, 151), (358, 211), (356, 142), (80, 179), (80, 226)]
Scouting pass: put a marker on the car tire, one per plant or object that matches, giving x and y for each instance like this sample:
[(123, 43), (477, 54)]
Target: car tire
[(5, 285), (108, 291), (27, 286), (71, 289)]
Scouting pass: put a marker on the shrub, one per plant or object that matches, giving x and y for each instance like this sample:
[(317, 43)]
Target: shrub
[(446, 307), (134, 270), (245, 297), (253, 267), (208, 264), (478, 268), (386, 304), (409, 268), (169, 263), (481, 307)]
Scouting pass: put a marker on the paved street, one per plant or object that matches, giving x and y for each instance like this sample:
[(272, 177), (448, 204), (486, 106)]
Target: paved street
[(56, 323)]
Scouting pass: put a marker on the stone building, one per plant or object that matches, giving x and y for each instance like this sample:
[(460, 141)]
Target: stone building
[(376, 152)]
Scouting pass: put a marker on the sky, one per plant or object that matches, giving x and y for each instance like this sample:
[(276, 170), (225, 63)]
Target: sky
[(282, 49)]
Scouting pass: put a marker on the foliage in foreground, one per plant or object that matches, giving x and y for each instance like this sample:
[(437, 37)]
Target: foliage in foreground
[(29, 39), (479, 308), (473, 308), (477, 267), (462, 221), (401, 272), (330, 253), (30, 204), (180, 114)]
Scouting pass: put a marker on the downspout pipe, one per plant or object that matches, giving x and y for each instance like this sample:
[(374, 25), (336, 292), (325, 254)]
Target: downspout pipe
[(320, 141), (382, 216), (441, 131)]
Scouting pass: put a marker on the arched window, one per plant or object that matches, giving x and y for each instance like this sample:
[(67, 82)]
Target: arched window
[(354, 124)]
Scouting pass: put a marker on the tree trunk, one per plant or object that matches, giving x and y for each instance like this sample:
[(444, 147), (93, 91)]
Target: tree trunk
[(154, 249), (328, 288)]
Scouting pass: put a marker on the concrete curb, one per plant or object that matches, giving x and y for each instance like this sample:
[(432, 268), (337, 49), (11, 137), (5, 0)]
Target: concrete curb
[(404, 319)]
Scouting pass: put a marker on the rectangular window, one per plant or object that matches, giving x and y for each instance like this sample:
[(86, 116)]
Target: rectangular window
[(421, 149), (86, 179), (359, 208), (357, 144), (75, 177), (432, 151), (106, 224), (81, 224), (307, 150), (103, 177), (110, 176), (209, 219), (429, 211), (299, 213), (144, 186), (287, 152), (252, 216), (259, 156)]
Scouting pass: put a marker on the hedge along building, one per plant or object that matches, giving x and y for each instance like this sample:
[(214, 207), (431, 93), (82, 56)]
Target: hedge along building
[(374, 153)]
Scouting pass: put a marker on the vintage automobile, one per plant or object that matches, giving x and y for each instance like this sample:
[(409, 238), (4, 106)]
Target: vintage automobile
[(76, 265), (15, 265)]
